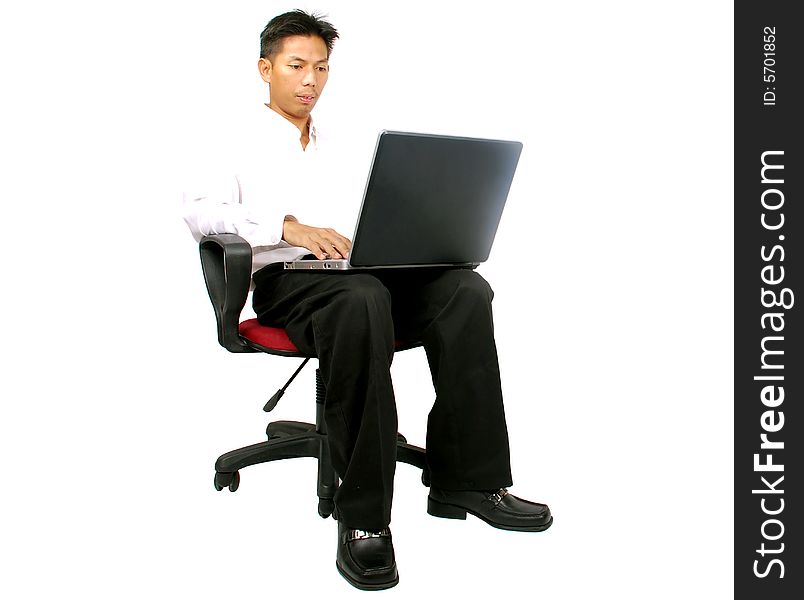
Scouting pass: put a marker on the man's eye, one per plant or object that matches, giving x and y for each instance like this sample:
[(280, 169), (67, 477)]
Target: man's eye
[(295, 66), (323, 69)]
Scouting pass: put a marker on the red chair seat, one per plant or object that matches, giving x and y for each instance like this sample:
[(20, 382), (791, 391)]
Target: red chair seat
[(267, 338), (275, 339)]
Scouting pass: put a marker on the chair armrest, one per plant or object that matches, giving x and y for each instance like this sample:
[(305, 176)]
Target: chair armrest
[(226, 263)]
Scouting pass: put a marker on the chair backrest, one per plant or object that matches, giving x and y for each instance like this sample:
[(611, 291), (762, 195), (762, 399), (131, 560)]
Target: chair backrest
[(226, 263)]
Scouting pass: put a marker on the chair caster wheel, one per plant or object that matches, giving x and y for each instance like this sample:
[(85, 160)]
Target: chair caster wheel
[(230, 480), (325, 507), (426, 477)]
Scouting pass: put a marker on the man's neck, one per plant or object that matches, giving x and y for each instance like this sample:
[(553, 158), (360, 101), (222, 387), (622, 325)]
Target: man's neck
[(301, 123)]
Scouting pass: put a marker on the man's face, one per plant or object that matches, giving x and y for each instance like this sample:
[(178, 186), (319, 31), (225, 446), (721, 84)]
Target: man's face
[(297, 75)]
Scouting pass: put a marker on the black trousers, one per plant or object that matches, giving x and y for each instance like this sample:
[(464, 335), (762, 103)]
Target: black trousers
[(350, 321)]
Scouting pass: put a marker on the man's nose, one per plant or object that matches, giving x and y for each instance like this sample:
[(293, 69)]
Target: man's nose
[(309, 77)]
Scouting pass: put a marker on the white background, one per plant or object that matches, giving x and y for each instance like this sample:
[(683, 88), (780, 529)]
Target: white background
[(615, 346)]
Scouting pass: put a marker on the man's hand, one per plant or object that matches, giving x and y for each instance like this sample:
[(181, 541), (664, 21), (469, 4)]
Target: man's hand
[(323, 242)]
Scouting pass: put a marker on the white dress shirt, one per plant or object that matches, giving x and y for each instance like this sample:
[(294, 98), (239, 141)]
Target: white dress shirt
[(264, 177)]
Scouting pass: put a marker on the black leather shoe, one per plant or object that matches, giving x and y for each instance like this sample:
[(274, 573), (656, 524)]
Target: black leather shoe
[(366, 558), (497, 508)]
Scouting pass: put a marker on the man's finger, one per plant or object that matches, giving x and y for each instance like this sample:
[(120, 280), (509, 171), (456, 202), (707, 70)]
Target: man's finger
[(328, 242), (339, 244), (332, 250), (319, 249), (330, 247), (341, 248), (342, 244)]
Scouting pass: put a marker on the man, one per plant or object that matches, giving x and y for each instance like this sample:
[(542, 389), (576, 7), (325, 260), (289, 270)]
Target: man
[(350, 321)]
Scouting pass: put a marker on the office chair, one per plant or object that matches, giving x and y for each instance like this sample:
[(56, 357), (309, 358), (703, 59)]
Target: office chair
[(226, 263)]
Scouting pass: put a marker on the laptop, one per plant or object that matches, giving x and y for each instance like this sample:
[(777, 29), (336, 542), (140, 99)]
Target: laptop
[(429, 201)]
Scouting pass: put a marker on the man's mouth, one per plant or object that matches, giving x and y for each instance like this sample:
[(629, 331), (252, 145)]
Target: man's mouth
[(306, 99)]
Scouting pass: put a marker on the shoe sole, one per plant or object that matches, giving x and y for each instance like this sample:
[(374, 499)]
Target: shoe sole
[(369, 587), (451, 511)]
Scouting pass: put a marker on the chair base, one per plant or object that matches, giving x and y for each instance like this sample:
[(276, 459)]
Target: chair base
[(295, 439)]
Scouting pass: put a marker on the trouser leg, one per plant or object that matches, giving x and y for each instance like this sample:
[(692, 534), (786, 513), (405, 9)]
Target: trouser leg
[(346, 321), (450, 312)]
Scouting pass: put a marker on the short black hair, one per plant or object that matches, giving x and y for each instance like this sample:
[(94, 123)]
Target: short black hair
[(296, 22)]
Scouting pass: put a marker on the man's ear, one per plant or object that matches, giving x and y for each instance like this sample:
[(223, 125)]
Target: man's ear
[(265, 67)]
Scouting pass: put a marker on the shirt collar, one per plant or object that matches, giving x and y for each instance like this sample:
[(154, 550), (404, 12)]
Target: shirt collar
[(287, 129)]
